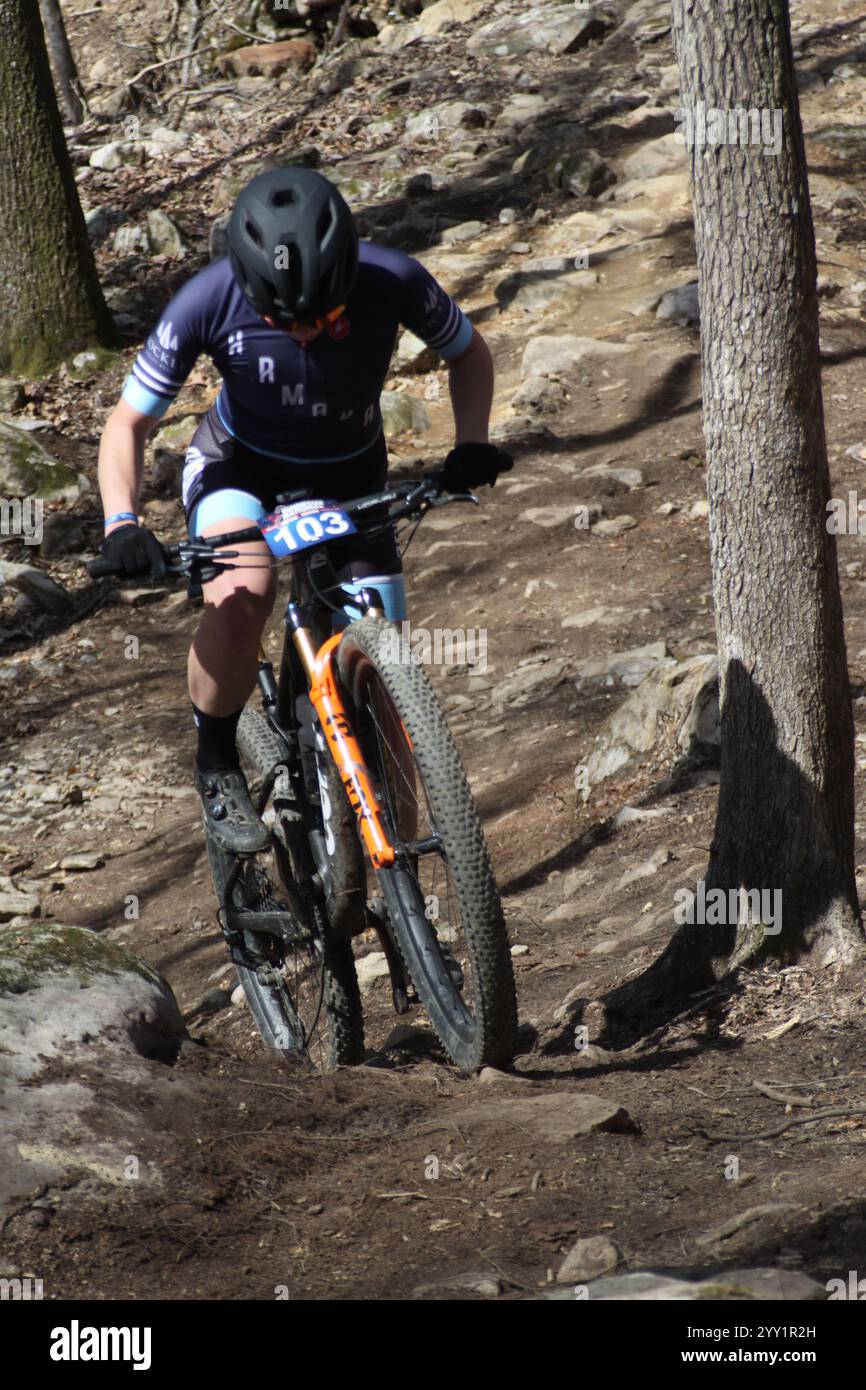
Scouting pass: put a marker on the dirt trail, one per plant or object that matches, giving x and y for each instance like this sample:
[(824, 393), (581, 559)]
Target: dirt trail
[(392, 1180)]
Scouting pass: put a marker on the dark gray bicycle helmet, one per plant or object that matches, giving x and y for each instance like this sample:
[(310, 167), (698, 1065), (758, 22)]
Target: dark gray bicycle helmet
[(293, 245)]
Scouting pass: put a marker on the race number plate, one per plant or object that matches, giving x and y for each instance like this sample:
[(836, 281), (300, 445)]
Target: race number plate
[(302, 524)]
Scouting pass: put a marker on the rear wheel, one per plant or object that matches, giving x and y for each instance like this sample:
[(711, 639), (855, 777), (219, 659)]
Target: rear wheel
[(308, 990), (441, 895)]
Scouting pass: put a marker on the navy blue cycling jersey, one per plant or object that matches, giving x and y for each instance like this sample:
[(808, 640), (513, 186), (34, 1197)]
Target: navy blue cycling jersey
[(313, 403)]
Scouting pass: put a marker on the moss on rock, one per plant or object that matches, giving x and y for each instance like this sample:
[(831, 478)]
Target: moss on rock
[(30, 956)]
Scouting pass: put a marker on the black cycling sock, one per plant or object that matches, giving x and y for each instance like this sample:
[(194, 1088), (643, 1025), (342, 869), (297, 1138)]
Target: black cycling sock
[(217, 748)]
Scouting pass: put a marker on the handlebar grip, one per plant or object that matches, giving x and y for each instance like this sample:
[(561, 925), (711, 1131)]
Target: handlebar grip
[(98, 569)]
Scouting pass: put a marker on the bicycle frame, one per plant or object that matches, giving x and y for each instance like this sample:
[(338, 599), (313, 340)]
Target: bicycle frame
[(326, 700)]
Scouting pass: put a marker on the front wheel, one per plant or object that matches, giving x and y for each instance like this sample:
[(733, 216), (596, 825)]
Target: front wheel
[(441, 895)]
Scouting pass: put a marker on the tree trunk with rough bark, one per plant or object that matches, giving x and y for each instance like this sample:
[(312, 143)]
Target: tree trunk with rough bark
[(51, 303), (62, 61), (785, 818)]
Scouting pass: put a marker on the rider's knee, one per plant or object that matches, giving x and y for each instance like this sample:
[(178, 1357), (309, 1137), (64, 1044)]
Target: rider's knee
[(243, 607)]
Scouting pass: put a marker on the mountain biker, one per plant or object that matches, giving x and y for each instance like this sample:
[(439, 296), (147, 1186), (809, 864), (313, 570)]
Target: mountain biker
[(301, 320)]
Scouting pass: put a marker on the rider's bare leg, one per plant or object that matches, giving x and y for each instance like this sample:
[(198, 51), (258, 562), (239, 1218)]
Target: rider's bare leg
[(223, 658)]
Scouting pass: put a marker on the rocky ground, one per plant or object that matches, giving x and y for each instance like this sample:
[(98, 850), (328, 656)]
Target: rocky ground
[(527, 156)]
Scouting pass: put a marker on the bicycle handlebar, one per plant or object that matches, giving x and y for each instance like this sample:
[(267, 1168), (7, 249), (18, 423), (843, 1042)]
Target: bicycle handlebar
[(403, 500)]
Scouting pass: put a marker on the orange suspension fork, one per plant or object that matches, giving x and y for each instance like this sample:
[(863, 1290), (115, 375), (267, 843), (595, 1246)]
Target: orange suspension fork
[(327, 702)]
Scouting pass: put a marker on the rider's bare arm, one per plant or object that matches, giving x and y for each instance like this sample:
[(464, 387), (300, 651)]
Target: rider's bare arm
[(121, 459), (470, 381)]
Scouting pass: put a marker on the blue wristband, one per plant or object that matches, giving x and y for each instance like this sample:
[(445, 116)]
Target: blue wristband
[(120, 516)]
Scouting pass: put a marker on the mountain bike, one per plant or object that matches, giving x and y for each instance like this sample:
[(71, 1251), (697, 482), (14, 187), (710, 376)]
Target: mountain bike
[(351, 764)]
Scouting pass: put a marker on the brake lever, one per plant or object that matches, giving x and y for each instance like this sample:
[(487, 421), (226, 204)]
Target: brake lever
[(443, 499)]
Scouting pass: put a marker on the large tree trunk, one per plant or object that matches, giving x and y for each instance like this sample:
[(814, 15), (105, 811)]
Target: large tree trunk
[(785, 818), (62, 61), (50, 299)]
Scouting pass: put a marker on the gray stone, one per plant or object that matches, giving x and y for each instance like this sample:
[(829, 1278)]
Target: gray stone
[(681, 306), (539, 395), (763, 1285), (588, 1259), (627, 668), (560, 353), (553, 29), (464, 231), (40, 589), (130, 240), (630, 478), (647, 20), (444, 117), (117, 153), (82, 863), (549, 517), (481, 1283), (685, 693), (586, 174), (666, 155), (163, 237), (614, 526), (28, 470), (370, 968), (17, 904), (402, 413), (560, 1119), (528, 684)]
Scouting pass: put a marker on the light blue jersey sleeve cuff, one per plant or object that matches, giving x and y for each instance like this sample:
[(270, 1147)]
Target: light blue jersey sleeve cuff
[(148, 402), (460, 342)]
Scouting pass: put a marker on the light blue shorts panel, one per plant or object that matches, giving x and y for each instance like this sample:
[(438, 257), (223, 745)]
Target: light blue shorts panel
[(218, 506)]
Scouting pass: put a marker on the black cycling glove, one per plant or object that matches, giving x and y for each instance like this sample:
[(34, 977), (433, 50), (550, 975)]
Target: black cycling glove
[(471, 465), (134, 551)]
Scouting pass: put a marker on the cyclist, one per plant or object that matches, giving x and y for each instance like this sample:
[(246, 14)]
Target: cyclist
[(301, 319)]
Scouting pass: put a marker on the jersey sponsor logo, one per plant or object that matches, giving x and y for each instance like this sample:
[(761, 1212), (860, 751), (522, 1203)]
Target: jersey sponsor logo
[(340, 328), (165, 338), (266, 369), (236, 343), (292, 395)]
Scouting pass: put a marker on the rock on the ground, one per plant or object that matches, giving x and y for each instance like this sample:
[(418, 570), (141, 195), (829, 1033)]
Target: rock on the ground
[(627, 668), (614, 526), (163, 237), (268, 59), (560, 1119), (681, 306), (647, 20), (685, 694), (553, 29), (762, 1285), (28, 470), (629, 478), (370, 968), (552, 353), (68, 992), (40, 589), (589, 1258), (434, 19), (402, 412), (529, 683)]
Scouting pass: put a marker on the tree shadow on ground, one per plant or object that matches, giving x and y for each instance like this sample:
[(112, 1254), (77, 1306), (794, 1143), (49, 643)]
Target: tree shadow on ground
[(766, 805)]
